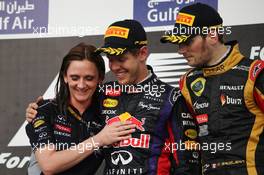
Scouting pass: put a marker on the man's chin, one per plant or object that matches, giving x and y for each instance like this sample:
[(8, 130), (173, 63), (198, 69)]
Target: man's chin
[(194, 65), (122, 82), (83, 99)]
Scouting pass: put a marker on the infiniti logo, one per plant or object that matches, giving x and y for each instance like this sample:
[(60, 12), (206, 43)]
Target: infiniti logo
[(62, 118), (43, 134), (122, 156)]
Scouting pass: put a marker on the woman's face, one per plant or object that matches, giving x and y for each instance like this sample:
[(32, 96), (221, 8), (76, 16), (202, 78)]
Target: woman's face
[(82, 78)]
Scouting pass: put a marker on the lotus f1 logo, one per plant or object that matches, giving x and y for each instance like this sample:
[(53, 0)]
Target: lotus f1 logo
[(123, 157)]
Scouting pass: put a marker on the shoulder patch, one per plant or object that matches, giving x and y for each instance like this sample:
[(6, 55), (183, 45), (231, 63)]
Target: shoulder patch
[(174, 95), (255, 69)]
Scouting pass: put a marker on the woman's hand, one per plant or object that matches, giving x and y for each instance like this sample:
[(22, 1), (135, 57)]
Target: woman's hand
[(115, 132)]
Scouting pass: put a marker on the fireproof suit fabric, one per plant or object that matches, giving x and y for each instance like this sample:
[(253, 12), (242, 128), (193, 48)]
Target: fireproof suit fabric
[(65, 132), (149, 106), (227, 100)]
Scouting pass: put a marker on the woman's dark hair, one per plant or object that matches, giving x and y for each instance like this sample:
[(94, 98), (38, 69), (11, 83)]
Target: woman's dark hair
[(78, 53)]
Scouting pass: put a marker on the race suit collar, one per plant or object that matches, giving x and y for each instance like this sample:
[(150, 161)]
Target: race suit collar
[(232, 59), (150, 78), (147, 77)]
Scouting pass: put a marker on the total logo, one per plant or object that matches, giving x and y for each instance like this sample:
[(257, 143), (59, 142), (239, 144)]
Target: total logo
[(13, 161), (229, 100), (142, 142), (127, 117)]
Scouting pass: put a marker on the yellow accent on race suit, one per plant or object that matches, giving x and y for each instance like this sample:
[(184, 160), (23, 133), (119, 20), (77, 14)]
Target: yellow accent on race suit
[(234, 58), (257, 128)]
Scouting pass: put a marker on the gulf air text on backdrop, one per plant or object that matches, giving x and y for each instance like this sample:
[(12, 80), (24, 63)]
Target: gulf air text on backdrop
[(169, 14)]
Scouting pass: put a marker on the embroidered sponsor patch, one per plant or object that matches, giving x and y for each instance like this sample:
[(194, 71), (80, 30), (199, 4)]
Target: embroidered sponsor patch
[(110, 103), (186, 19), (115, 31), (197, 86)]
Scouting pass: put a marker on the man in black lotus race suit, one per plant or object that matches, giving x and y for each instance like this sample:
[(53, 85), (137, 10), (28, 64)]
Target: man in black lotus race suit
[(225, 91)]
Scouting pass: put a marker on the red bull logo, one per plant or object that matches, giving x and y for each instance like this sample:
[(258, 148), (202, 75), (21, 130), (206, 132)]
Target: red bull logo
[(142, 142), (127, 117)]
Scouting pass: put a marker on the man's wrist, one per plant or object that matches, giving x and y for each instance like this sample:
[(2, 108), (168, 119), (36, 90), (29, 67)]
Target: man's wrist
[(96, 143)]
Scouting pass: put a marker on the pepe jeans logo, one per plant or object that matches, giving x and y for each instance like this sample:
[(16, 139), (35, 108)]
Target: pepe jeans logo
[(147, 106)]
